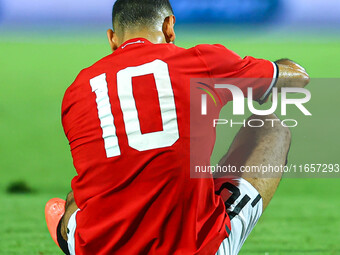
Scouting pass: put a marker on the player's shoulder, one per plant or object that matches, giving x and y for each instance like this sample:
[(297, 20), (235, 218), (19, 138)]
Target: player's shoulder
[(94, 67), (98, 67), (210, 47), (121, 58), (87, 72), (77, 80), (213, 49), (73, 91)]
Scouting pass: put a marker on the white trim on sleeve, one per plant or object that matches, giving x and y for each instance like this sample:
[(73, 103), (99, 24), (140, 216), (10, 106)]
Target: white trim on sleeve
[(275, 77)]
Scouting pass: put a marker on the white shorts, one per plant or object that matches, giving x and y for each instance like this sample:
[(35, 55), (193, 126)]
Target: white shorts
[(244, 211), (244, 207), (71, 229)]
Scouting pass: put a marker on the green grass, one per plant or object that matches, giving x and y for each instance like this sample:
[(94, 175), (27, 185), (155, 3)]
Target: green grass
[(303, 217)]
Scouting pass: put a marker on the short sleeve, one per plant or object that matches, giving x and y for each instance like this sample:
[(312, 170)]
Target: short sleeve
[(222, 63)]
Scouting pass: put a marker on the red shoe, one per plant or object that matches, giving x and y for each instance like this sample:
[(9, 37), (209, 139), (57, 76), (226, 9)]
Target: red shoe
[(54, 211)]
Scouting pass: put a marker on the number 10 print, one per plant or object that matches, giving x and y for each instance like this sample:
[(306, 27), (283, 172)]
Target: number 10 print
[(136, 140)]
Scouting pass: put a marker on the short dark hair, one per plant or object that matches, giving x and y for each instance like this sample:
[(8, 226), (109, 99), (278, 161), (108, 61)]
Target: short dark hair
[(136, 13)]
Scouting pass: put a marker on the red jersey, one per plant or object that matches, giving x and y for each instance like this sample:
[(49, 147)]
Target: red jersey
[(127, 119)]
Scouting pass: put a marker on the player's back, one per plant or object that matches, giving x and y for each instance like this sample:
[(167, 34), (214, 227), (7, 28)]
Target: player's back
[(127, 118)]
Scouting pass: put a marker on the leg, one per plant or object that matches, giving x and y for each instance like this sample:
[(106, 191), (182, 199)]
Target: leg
[(62, 228), (260, 146), (70, 208), (246, 197)]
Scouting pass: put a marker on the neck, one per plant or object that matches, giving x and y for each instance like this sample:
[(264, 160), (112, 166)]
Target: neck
[(152, 36)]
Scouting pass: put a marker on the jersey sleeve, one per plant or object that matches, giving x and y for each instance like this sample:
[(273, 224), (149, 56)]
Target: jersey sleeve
[(222, 63)]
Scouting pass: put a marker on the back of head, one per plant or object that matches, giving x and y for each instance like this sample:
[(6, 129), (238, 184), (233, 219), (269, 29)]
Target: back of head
[(139, 14)]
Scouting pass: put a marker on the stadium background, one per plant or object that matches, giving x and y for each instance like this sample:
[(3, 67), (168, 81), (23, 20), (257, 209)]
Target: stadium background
[(43, 46)]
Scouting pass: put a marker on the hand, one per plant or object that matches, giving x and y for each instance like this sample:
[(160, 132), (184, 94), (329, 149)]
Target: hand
[(291, 75)]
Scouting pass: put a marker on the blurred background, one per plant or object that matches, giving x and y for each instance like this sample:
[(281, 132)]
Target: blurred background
[(282, 12), (44, 45)]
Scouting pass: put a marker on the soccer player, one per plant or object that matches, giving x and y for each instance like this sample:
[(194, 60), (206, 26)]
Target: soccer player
[(127, 120)]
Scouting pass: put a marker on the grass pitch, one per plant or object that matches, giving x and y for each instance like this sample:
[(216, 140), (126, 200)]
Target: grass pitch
[(303, 217)]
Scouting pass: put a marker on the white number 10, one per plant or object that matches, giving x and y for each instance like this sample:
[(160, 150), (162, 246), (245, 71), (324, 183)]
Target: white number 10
[(137, 140)]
